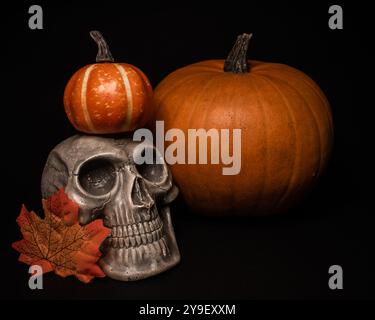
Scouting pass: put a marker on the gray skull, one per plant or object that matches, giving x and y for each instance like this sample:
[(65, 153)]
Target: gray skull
[(100, 174)]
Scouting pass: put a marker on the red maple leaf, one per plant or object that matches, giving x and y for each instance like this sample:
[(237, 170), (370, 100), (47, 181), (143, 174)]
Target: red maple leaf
[(58, 242), (60, 205)]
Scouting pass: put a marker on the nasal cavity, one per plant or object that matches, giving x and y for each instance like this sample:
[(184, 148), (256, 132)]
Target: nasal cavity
[(140, 195)]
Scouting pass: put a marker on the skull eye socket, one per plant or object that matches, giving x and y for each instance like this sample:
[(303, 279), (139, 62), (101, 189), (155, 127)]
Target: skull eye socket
[(97, 176), (153, 172)]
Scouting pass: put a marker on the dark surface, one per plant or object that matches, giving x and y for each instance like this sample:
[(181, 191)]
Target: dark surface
[(285, 256)]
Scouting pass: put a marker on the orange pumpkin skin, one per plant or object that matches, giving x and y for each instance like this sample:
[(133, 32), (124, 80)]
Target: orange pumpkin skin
[(108, 98), (287, 134)]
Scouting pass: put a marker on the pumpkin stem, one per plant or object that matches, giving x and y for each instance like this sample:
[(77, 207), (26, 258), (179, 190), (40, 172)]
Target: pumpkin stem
[(104, 55), (237, 59)]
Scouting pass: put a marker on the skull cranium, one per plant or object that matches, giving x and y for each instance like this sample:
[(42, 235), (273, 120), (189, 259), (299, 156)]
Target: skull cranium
[(101, 176)]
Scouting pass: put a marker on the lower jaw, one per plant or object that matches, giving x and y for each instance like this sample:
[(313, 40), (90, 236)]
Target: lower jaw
[(146, 260), (135, 263)]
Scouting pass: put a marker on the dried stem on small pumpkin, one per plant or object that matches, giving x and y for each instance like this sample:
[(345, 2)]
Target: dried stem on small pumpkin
[(104, 54), (236, 61)]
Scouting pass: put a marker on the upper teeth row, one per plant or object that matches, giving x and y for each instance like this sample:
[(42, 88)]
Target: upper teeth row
[(136, 228)]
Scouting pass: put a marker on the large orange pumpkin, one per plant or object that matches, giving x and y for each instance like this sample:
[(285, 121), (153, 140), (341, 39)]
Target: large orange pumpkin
[(286, 125), (108, 97)]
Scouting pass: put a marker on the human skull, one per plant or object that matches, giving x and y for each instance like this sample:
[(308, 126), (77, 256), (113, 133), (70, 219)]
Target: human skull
[(102, 177)]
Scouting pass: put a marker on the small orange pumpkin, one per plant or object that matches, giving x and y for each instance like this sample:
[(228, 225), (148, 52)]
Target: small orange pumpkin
[(108, 97), (286, 127)]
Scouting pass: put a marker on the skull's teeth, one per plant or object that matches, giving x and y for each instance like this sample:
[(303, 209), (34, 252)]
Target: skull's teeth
[(149, 237), (124, 231), (144, 238), (135, 229), (130, 230), (141, 229), (121, 242), (156, 223), (159, 233), (127, 242), (147, 228), (151, 225), (137, 234), (163, 247), (154, 235), (132, 241)]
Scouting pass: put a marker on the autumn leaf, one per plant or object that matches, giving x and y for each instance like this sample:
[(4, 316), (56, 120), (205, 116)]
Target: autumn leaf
[(67, 248), (60, 205)]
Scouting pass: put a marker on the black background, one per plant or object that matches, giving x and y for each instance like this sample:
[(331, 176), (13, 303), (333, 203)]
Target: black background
[(278, 257)]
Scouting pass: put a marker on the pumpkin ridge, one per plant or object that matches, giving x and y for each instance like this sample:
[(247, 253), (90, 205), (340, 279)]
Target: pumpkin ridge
[(204, 117), (311, 84), (291, 175), (236, 184), (233, 179), (84, 105), (315, 121), (207, 66), (265, 138), (129, 96), (76, 99), (191, 109), (68, 92), (269, 66), (177, 109), (318, 167), (175, 86), (312, 112), (194, 107), (141, 115), (318, 92)]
